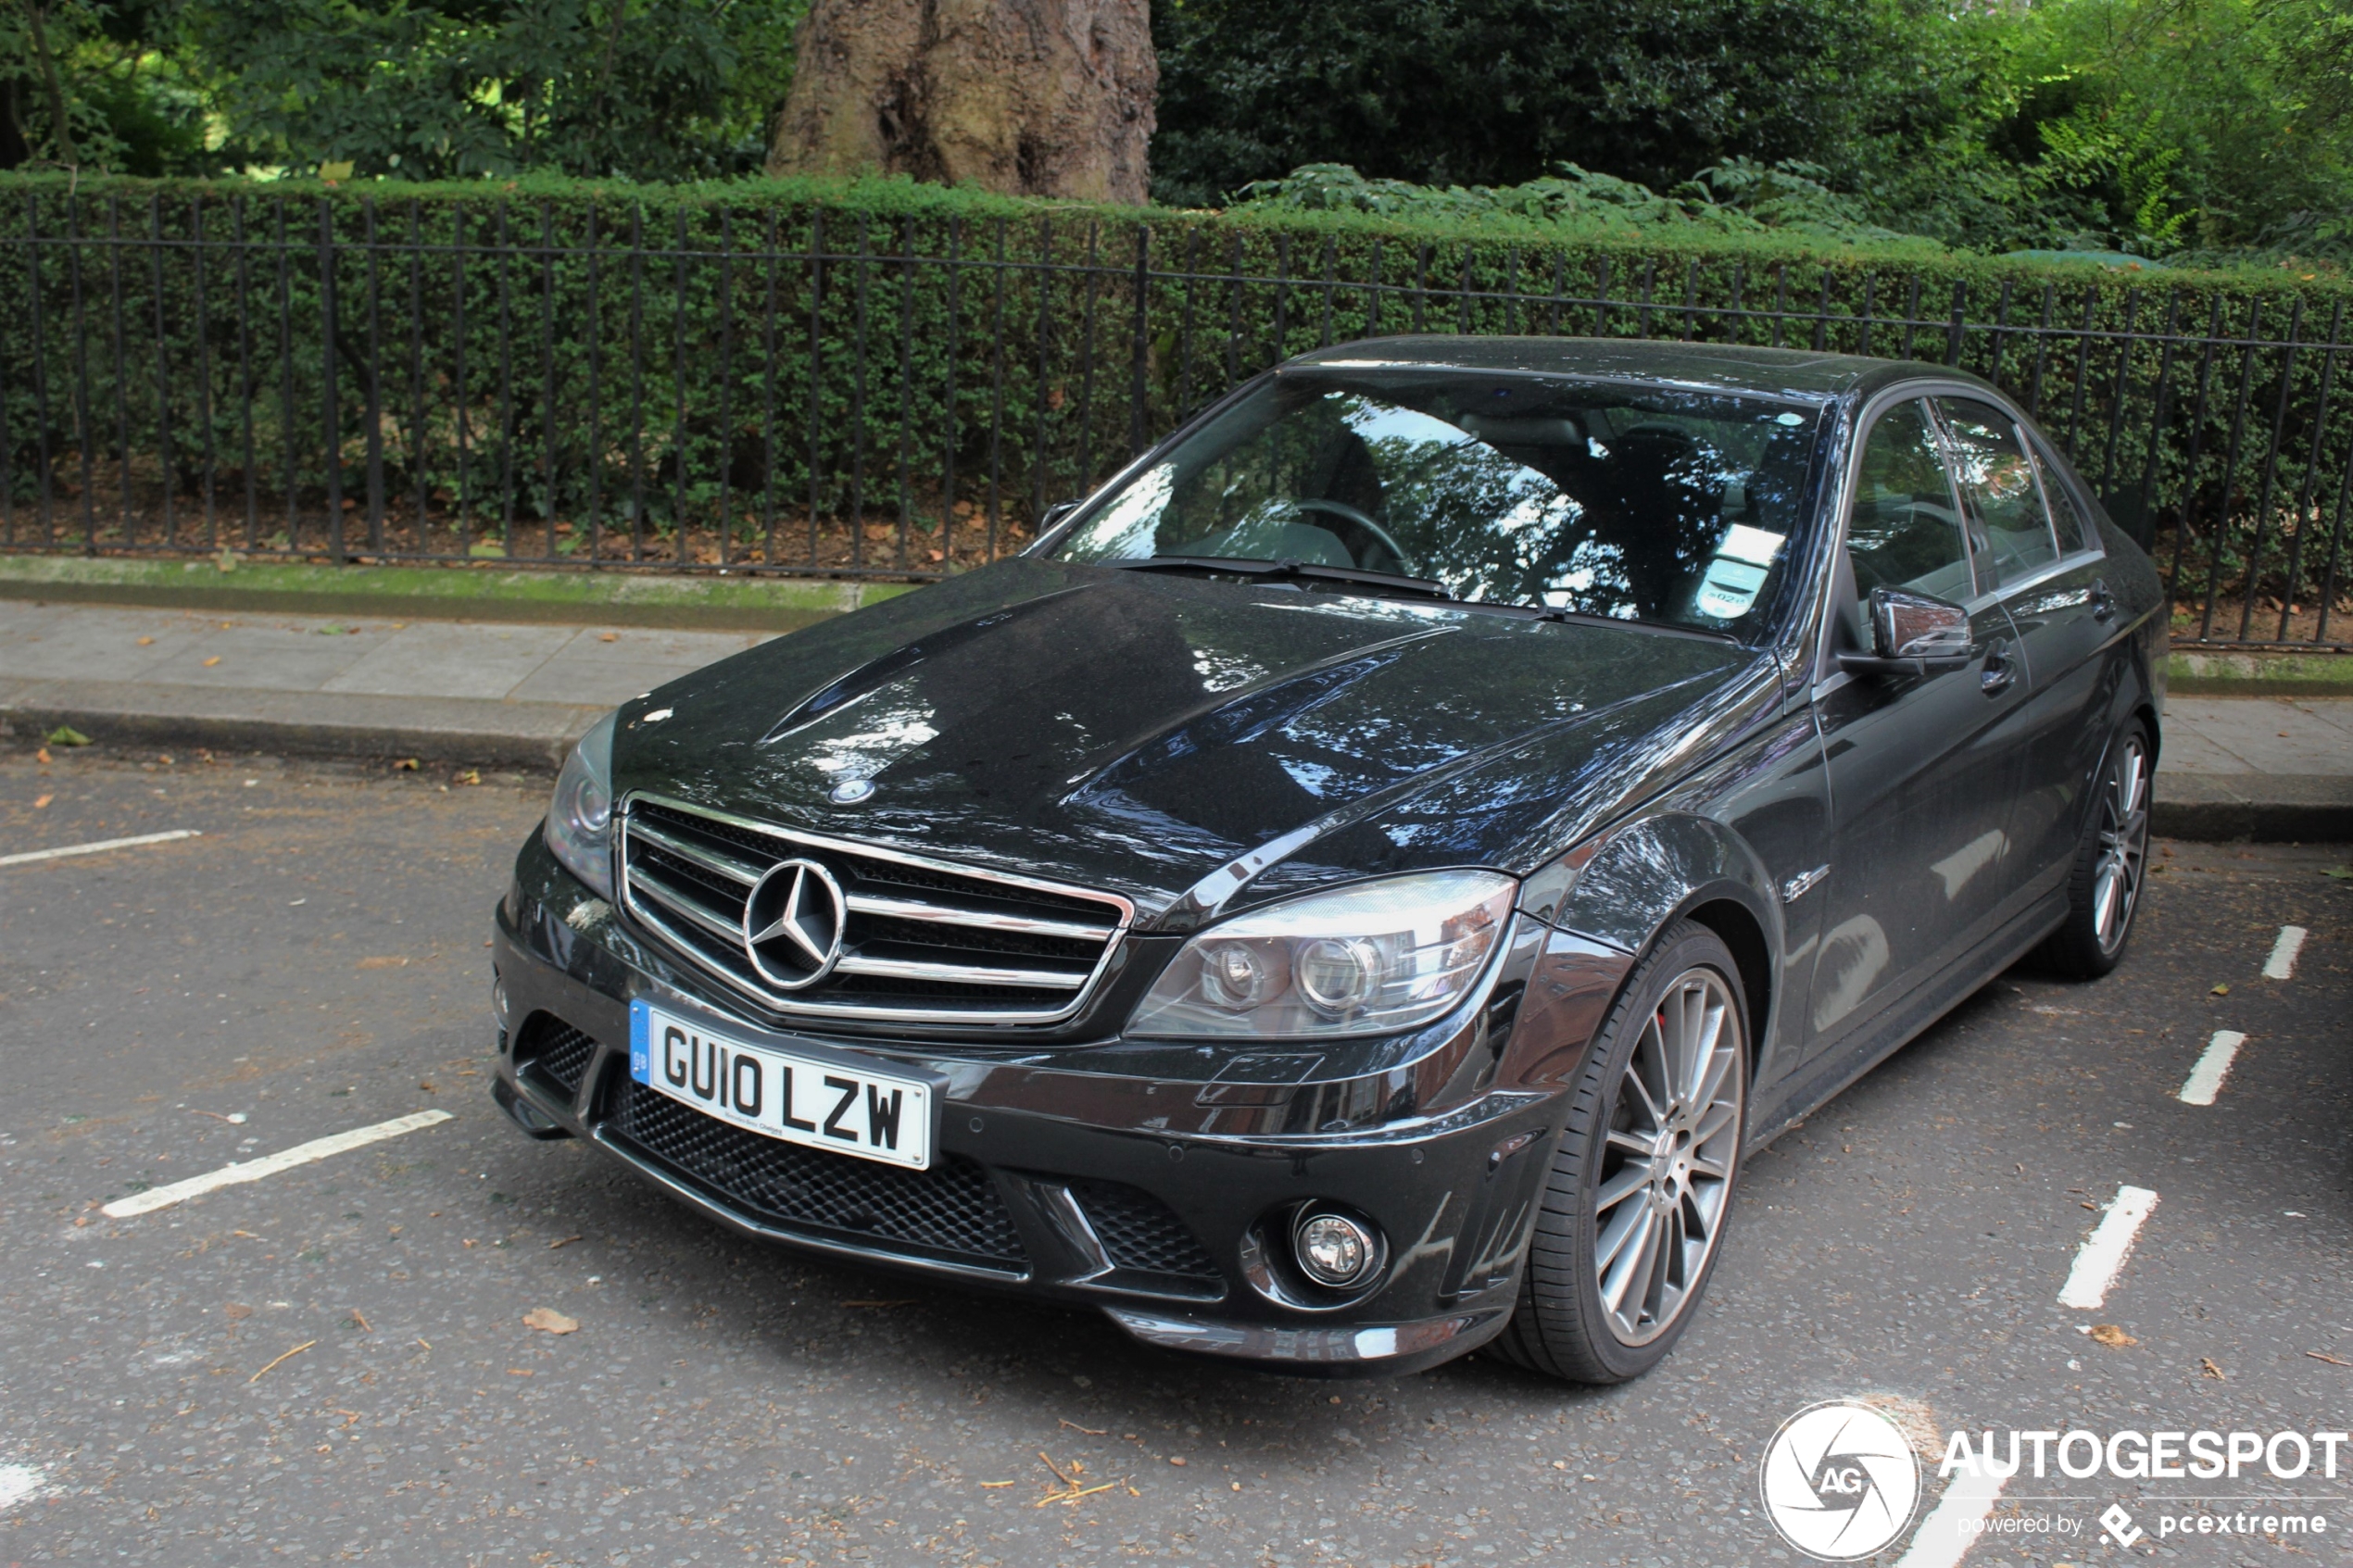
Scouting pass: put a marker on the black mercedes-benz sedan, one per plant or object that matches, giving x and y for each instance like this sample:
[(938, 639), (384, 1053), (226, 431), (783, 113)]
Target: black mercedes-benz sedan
[(1356, 888)]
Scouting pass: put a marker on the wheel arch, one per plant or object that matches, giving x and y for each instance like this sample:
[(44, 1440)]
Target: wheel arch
[(1657, 869)]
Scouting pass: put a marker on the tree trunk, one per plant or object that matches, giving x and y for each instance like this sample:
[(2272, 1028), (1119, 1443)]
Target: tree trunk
[(1031, 97)]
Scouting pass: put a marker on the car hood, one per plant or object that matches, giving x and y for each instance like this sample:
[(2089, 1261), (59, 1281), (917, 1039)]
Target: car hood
[(1136, 731)]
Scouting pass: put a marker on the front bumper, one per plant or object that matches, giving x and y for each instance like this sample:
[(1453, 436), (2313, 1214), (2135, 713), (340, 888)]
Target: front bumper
[(1157, 1198)]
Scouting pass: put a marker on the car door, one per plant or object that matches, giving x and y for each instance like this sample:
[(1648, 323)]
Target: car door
[(1922, 771), (2036, 551)]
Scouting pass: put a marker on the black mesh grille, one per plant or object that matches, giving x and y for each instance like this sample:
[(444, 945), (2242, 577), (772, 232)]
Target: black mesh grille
[(1140, 1232), (951, 1210), (560, 1052)]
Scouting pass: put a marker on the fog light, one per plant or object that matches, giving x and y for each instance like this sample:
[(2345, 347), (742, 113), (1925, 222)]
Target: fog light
[(1334, 1249)]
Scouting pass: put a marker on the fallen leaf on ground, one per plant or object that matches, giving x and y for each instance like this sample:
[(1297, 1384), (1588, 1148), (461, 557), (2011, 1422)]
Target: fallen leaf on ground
[(406, 765), (213, 660), (609, 636), (42, 801), (236, 1310), (361, 1319), (66, 734), (2206, 1364), (2109, 1335), (471, 776), (2219, 991), (562, 1241), (549, 1321), (387, 963), (42, 754), (146, 642), (517, 1372), (2342, 874)]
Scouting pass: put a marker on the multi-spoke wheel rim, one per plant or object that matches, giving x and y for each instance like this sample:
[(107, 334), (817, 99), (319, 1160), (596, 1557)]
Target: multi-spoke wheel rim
[(1667, 1165), (2124, 842)]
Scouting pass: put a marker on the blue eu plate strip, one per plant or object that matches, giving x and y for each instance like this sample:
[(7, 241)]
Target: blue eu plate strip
[(641, 1056)]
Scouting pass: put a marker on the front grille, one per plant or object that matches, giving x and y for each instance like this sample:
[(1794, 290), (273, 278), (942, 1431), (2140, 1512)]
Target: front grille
[(556, 1049), (952, 1211), (921, 940), (1140, 1232)]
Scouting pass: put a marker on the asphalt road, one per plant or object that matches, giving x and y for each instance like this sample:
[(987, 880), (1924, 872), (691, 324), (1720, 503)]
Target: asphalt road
[(314, 962)]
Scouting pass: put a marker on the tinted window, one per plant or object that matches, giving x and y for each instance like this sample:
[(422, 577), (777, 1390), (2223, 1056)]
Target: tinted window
[(1635, 503), (2066, 521), (1997, 485), (1904, 533)]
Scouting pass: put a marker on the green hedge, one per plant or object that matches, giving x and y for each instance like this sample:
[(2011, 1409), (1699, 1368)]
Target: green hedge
[(599, 381)]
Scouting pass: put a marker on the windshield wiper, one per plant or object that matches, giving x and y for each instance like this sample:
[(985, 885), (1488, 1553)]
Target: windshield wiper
[(1586, 617), (1291, 571)]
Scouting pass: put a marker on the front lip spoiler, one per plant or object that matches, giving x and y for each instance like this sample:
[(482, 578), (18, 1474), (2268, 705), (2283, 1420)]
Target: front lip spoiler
[(1362, 1349)]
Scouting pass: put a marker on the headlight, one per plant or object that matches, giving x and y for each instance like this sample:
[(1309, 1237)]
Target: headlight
[(1369, 959), (579, 828)]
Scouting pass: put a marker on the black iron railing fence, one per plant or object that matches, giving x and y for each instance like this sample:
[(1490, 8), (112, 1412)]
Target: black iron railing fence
[(596, 381)]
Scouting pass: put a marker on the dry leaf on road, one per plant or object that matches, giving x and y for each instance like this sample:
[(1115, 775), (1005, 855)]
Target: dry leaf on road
[(2112, 1337), (549, 1321)]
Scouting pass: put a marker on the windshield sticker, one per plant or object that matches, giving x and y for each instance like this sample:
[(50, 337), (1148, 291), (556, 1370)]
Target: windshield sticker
[(1755, 545), (1730, 587)]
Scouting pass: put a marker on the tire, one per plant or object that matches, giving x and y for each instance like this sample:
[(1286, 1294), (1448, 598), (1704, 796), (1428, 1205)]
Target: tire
[(1601, 1190), (2103, 890)]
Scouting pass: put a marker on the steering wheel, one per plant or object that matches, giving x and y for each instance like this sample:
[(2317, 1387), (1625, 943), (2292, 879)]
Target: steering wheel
[(1349, 514)]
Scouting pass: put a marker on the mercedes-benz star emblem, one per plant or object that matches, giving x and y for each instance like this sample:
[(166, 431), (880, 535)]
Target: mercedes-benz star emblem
[(792, 925)]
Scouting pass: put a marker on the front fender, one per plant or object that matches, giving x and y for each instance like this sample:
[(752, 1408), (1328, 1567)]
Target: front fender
[(1643, 876)]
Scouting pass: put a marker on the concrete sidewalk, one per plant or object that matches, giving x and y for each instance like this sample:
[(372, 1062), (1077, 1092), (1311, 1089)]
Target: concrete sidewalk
[(510, 694), (471, 692)]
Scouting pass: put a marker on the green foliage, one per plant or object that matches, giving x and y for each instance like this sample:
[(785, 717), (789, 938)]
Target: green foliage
[(644, 89), (1738, 196), (1497, 92)]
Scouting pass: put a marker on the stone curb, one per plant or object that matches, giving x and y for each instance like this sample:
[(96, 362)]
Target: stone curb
[(465, 732), (2267, 808)]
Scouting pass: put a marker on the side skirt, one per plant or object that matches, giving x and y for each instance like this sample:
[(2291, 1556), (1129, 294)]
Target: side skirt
[(1909, 1019)]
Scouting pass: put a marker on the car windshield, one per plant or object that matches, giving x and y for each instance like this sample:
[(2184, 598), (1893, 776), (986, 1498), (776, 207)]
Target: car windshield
[(1593, 499)]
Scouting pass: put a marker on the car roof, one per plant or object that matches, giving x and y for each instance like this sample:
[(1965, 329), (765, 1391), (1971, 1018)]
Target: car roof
[(1789, 372)]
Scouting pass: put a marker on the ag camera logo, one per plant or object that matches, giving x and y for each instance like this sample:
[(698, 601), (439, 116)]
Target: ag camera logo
[(1839, 1481)]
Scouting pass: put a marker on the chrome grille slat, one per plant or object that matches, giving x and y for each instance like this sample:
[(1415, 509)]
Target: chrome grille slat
[(968, 974), (707, 859), (925, 940), (682, 902), (981, 920)]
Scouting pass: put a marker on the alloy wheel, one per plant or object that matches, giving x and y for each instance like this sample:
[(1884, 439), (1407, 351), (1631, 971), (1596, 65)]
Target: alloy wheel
[(2124, 841), (1667, 1169)]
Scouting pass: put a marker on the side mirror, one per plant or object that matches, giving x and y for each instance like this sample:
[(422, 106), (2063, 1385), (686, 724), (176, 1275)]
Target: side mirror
[(1913, 635), (1053, 516)]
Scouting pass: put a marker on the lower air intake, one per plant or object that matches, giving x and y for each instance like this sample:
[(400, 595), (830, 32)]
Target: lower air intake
[(951, 1212)]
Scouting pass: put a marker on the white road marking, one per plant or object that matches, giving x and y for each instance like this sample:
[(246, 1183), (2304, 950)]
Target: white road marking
[(2101, 1257), (1950, 1529), (18, 1482), (2281, 965), (268, 1165), (2206, 1078), (100, 848)]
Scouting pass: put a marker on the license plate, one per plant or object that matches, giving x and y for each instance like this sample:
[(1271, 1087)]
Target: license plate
[(816, 1101)]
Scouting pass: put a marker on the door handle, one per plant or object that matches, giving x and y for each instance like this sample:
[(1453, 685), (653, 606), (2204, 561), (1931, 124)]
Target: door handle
[(2103, 602), (1999, 668)]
